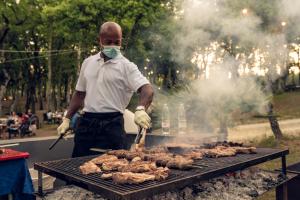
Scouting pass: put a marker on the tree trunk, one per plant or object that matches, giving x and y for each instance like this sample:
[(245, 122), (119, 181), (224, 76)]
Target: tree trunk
[(49, 75), (3, 88), (16, 100), (223, 131), (40, 96), (274, 123)]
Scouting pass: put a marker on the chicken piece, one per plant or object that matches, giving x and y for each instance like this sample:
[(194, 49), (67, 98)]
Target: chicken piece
[(161, 173), (138, 167), (245, 150), (106, 176), (136, 159), (104, 158), (131, 178), (156, 150), (132, 154), (219, 151), (195, 155), (180, 162), (161, 159), (89, 168), (121, 153), (114, 165)]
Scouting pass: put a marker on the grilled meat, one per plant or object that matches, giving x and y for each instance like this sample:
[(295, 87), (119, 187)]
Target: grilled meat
[(160, 159), (106, 176), (114, 165), (245, 150), (135, 159), (156, 150), (104, 158), (180, 162), (131, 178), (161, 173), (138, 167), (121, 153), (224, 143), (89, 168), (195, 155), (219, 151), (129, 155)]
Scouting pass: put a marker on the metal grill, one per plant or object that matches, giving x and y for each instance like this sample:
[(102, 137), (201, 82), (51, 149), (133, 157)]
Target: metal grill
[(68, 170)]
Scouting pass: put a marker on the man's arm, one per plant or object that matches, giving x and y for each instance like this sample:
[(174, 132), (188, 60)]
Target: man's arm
[(145, 95), (76, 102)]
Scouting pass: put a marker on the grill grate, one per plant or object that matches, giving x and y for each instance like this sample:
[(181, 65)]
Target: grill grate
[(68, 170)]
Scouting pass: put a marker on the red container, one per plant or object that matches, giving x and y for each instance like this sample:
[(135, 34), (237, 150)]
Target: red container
[(10, 154)]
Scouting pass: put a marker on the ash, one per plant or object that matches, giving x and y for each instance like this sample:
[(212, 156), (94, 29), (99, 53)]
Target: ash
[(72, 193), (242, 185)]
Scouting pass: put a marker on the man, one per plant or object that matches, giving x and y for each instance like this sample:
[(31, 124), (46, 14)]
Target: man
[(106, 83)]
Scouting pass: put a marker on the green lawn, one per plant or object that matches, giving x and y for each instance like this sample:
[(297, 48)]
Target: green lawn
[(286, 106)]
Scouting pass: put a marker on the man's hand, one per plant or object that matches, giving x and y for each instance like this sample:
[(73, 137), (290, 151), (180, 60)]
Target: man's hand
[(141, 118), (64, 126)]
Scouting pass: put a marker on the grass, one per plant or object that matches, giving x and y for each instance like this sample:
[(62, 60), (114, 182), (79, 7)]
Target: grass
[(290, 142), (286, 106)]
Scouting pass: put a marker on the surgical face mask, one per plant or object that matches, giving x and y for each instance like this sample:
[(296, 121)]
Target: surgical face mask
[(111, 51)]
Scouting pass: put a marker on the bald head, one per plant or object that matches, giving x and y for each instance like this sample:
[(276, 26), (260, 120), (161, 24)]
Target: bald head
[(110, 34)]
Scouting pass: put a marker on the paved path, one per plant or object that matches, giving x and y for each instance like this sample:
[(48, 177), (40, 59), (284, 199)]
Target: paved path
[(257, 131)]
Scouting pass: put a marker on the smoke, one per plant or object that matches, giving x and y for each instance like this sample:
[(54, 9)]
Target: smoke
[(212, 102)]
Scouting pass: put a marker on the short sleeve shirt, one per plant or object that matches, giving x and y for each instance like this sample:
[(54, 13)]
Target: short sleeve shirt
[(109, 85)]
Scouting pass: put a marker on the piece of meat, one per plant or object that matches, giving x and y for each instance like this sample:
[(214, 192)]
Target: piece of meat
[(163, 159), (135, 159), (104, 158), (180, 162), (131, 178), (160, 158), (138, 167), (106, 176), (219, 151), (245, 150), (161, 173), (114, 165), (195, 155), (155, 150), (132, 154), (121, 153), (89, 168)]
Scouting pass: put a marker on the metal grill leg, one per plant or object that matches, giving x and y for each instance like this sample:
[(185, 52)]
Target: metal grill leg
[(40, 183), (283, 164), (282, 190)]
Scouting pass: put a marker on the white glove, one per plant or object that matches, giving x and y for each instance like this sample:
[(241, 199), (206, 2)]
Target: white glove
[(64, 126), (141, 118)]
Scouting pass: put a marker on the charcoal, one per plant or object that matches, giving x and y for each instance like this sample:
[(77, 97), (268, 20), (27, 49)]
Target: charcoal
[(253, 193)]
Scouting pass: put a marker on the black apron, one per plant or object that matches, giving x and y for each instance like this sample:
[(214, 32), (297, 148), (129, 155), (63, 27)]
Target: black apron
[(99, 130)]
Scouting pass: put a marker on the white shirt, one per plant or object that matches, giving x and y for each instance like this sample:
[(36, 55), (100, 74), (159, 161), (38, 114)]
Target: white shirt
[(109, 85)]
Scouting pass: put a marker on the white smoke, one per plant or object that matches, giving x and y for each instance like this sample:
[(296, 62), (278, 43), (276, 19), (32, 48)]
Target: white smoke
[(203, 22)]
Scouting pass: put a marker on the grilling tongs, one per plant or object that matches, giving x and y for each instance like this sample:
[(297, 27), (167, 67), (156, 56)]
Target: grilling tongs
[(58, 139), (139, 139)]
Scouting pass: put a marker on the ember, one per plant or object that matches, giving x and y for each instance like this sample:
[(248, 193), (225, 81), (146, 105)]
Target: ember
[(242, 185)]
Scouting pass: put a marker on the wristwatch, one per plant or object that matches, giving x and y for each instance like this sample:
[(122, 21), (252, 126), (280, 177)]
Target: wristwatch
[(140, 108)]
